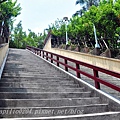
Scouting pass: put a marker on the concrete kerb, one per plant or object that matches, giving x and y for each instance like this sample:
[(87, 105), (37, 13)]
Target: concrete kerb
[(114, 103), (3, 64), (66, 117)]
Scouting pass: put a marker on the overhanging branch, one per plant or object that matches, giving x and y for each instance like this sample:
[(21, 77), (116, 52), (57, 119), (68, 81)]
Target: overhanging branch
[(1, 1)]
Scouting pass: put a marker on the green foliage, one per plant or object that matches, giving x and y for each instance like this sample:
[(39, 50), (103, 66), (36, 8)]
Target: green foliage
[(20, 39), (73, 46), (85, 5), (8, 11), (1, 1), (106, 18)]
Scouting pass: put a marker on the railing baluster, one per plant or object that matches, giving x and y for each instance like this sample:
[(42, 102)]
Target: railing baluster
[(40, 53), (66, 68), (51, 58), (46, 55), (43, 54), (97, 84), (37, 52), (58, 62), (77, 73)]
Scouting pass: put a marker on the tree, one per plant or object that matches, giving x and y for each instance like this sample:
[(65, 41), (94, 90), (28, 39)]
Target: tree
[(88, 3), (81, 2), (85, 5), (8, 11), (82, 8), (92, 2), (1, 1), (20, 39), (106, 18), (19, 35)]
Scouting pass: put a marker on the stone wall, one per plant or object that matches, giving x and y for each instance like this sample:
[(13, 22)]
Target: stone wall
[(100, 61)]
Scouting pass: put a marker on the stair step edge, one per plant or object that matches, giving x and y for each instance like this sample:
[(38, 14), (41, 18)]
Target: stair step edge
[(65, 117), (53, 99), (59, 107)]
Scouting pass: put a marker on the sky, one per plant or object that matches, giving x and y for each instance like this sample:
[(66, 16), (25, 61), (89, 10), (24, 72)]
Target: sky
[(38, 14)]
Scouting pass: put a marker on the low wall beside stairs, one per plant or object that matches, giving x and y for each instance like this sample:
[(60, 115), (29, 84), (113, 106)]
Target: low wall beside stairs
[(3, 54), (103, 62)]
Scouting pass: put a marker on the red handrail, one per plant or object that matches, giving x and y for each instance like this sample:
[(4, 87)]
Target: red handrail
[(49, 55)]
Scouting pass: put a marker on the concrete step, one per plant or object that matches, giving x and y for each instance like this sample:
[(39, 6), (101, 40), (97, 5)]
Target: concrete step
[(114, 81), (43, 95), (48, 102), (26, 67), (111, 91), (37, 85), (27, 75), (38, 82), (53, 111), (16, 71), (28, 71), (6, 69), (58, 89), (47, 78), (92, 116), (34, 77), (30, 75)]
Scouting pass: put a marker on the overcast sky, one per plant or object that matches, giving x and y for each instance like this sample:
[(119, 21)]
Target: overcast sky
[(38, 14)]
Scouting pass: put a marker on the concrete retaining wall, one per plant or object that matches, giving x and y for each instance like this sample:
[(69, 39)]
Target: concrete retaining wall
[(3, 55), (107, 63)]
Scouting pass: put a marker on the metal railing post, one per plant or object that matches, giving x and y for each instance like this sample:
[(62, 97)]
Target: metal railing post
[(77, 73), (46, 55), (97, 84), (66, 68), (51, 58), (43, 54), (37, 52), (57, 60), (40, 53)]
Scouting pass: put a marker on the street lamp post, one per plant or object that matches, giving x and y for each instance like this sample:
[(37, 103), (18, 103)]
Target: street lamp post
[(66, 20), (96, 41)]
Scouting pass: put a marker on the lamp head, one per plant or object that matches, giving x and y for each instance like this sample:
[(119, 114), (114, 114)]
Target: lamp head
[(65, 18)]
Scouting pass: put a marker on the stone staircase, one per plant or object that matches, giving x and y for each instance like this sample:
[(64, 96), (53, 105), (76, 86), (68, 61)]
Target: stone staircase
[(31, 88)]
